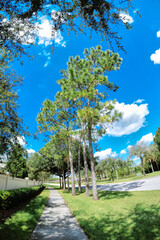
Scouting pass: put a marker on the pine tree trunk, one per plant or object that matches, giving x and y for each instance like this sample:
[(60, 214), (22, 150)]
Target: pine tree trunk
[(151, 165), (79, 167), (142, 165), (71, 167), (157, 165), (60, 182), (85, 162), (94, 184), (112, 176), (68, 182), (64, 182), (117, 174), (106, 174)]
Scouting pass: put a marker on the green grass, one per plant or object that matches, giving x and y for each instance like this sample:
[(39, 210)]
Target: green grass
[(22, 223), (118, 215)]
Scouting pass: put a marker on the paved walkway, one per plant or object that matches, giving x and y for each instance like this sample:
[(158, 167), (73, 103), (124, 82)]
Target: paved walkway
[(57, 222)]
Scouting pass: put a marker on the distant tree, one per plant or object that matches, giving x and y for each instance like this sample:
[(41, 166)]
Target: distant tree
[(34, 166), (56, 151), (16, 161), (111, 166), (152, 155), (57, 117), (157, 138), (139, 150)]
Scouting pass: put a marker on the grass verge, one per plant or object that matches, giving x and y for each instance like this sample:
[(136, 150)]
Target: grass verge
[(118, 215), (22, 223)]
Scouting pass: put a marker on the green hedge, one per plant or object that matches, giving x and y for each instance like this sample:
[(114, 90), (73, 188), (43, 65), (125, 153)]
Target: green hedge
[(12, 198)]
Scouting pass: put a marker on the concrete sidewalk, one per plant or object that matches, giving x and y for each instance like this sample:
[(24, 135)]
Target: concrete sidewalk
[(57, 222)]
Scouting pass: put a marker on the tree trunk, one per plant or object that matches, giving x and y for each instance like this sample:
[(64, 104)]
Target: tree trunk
[(60, 182), (112, 176), (71, 167), (94, 184), (117, 174), (79, 167), (85, 162), (151, 165), (106, 174), (64, 182), (142, 165), (68, 182), (157, 165)]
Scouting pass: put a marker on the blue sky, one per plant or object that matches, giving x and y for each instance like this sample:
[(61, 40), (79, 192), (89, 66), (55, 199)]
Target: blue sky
[(138, 79)]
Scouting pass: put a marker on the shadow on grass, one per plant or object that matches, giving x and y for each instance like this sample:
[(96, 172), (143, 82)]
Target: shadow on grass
[(103, 194), (142, 223), (21, 225), (113, 195)]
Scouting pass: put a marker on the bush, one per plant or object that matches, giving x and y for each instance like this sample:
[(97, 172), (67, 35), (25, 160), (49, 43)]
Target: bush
[(12, 198)]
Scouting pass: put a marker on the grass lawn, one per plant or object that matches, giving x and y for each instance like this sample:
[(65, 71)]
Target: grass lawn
[(22, 223), (118, 215)]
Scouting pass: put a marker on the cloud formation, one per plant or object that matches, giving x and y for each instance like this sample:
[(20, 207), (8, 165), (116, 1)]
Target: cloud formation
[(105, 153), (46, 35), (31, 151), (21, 140), (139, 101), (133, 118), (147, 139), (155, 57), (126, 18), (123, 151)]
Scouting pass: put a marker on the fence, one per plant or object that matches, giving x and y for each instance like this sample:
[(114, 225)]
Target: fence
[(7, 182)]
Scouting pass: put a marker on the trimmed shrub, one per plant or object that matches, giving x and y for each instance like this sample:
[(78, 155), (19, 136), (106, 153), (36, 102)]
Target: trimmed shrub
[(12, 198)]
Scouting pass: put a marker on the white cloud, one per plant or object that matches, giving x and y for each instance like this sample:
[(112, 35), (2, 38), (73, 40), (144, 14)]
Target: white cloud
[(21, 140), (46, 34), (147, 139), (133, 118), (3, 157), (158, 34), (123, 151), (139, 101), (126, 18), (114, 154), (129, 147), (105, 153), (155, 57), (31, 151)]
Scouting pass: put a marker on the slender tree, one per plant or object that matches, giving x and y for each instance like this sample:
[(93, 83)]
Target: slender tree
[(16, 161), (152, 155), (57, 117), (81, 83), (139, 150)]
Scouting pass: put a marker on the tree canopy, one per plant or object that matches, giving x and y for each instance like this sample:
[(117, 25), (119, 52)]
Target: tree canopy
[(157, 138), (18, 18), (10, 122)]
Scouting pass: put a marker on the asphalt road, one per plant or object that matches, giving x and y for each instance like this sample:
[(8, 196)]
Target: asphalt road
[(147, 184)]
